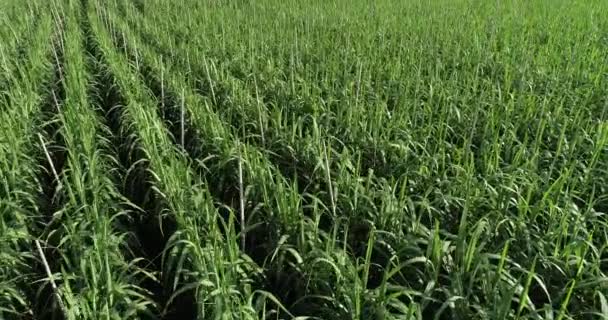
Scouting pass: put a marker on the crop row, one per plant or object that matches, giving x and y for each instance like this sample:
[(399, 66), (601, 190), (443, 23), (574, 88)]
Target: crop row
[(98, 277), (281, 238), (16, 32), (344, 160), (475, 138), (200, 269), (21, 197)]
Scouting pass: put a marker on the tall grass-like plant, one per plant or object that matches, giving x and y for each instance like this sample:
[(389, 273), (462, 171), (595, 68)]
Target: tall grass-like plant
[(96, 280), (478, 128), (19, 24), (290, 237), (330, 159), (198, 258), (19, 208)]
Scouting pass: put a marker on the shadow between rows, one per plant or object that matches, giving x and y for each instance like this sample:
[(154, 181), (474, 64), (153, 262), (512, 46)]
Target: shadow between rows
[(149, 224)]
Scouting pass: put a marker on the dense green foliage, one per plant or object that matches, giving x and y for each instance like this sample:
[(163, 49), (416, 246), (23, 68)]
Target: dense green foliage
[(303, 159)]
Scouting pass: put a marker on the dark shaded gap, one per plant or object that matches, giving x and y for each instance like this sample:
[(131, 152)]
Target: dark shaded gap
[(51, 199), (151, 227), (149, 230), (139, 5)]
